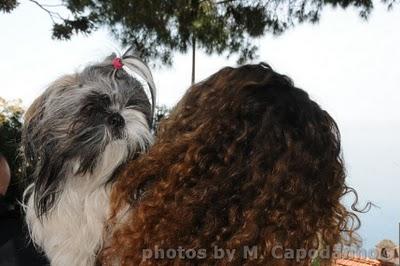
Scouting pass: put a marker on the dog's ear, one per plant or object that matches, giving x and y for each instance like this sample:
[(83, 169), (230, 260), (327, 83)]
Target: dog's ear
[(29, 149), (37, 148), (35, 113)]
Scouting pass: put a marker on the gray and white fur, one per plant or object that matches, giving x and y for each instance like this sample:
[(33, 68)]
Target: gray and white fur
[(75, 136)]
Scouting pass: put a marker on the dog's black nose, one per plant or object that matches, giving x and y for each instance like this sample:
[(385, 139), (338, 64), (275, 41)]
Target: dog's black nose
[(116, 120)]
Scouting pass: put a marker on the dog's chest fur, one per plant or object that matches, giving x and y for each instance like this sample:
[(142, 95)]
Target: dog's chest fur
[(72, 232)]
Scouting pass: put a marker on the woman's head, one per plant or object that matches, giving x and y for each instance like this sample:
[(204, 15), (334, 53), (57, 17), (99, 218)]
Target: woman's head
[(244, 160)]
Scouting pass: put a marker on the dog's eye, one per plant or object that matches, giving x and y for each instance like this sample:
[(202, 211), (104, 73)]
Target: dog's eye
[(96, 98), (132, 103), (104, 99), (95, 103)]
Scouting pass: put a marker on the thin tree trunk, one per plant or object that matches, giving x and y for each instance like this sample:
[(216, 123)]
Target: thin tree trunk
[(193, 58)]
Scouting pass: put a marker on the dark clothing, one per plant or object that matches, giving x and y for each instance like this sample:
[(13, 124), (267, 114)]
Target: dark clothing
[(15, 247)]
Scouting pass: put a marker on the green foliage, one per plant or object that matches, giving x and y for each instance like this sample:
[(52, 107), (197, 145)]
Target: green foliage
[(65, 30), (158, 28), (10, 138), (8, 5)]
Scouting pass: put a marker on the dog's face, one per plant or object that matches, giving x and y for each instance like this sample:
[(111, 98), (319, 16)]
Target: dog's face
[(96, 119)]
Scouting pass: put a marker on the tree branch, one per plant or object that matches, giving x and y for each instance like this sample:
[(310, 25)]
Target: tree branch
[(51, 13), (55, 5)]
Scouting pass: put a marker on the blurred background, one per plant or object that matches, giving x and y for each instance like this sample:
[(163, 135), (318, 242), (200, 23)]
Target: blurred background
[(345, 54)]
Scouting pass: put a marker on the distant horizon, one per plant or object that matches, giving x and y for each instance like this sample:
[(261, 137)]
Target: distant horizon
[(347, 65)]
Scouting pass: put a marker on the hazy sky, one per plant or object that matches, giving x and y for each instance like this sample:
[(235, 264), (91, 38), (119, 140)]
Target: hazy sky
[(349, 66)]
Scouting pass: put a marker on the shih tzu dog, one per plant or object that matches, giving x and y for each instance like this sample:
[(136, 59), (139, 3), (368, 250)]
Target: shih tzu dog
[(75, 136)]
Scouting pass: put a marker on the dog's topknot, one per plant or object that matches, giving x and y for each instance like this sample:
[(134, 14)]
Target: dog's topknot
[(244, 160)]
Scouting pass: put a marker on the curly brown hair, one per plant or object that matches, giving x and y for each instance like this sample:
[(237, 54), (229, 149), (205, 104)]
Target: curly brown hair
[(245, 159)]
